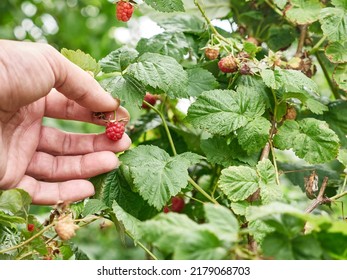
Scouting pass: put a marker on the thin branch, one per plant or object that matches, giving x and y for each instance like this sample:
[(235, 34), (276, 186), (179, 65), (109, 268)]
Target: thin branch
[(316, 47), (303, 32), (321, 199)]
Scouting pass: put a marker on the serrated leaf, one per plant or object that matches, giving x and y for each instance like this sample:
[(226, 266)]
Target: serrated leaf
[(131, 224), (259, 230), (280, 36), (315, 106), (157, 176), (200, 245), (337, 119), (260, 212), (160, 72), (254, 135), (238, 182), (340, 76), (334, 23), (222, 222), (126, 88), (310, 139), (269, 190), (144, 124), (172, 44), (118, 60), (183, 23), (167, 6), (342, 157), (93, 206), (223, 111), (81, 59), (280, 3), (304, 11), (200, 80), (11, 201), (336, 52)]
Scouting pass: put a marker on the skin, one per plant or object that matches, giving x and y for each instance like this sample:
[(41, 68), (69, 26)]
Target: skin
[(51, 165)]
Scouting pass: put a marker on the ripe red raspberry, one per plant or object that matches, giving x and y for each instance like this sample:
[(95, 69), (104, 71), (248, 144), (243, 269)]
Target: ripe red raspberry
[(228, 64), (151, 99), (124, 10), (177, 204), (115, 130), (30, 227), (166, 209), (212, 53)]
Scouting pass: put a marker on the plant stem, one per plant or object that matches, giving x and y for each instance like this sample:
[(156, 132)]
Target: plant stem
[(28, 240), (142, 246), (336, 197), (208, 21), (277, 10), (316, 47), (274, 162), (303, 32), (200, 190), (321, 199), (327, 77), (172, 145)]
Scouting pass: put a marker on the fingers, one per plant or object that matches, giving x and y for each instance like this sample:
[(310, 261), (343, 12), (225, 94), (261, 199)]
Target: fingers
[(57, 142), (45, 193), (77, 84), (46, 167), (60, 107)]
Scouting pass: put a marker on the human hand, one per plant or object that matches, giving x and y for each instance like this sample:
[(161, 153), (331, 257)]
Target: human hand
[(51, 165)]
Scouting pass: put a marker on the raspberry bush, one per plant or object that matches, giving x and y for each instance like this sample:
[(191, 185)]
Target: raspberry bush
[(243, 153)]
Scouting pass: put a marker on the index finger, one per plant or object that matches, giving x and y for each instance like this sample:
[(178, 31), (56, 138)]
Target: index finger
[(78, 85)]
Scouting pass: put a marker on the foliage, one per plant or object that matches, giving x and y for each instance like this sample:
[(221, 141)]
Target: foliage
[(230, 152)]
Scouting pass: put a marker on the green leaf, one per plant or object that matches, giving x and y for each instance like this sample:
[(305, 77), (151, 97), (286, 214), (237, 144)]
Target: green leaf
[(315, 106), (200, 245), (259, 230), (340, 76), (167, 6), (281, 36), (172, 44), (157, 176), (306, 247), (131, 224), (223, 111), (265, 211), (164, 228), (222, 222), (183, 23), (162, 73), (200, 80), (10, 221), (93, 206), (334, 23), (337, 52), (126, 88), (310, 139), (83, 60), (117, 186), (218, 151), (337, 120), (303, 11), (254, 135), (239, 207), (277, 246), (11, 201), (280, 3), (342, 157), (269, 190), (118, 60), (238, 182)]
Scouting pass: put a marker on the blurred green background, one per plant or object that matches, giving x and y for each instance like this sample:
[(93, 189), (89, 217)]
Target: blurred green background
[(88, 25)]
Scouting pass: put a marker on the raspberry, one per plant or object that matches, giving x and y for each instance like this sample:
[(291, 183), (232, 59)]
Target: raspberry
[(177, 204), (166, 209), (151, 99), (253, 41), (212, 53), (228, 64), (30, 227), (124, 10), (245, 69), (65, 228), (115, 130)]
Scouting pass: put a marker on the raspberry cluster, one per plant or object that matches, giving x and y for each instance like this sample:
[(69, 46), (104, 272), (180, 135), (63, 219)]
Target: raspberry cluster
[(124, 10)]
